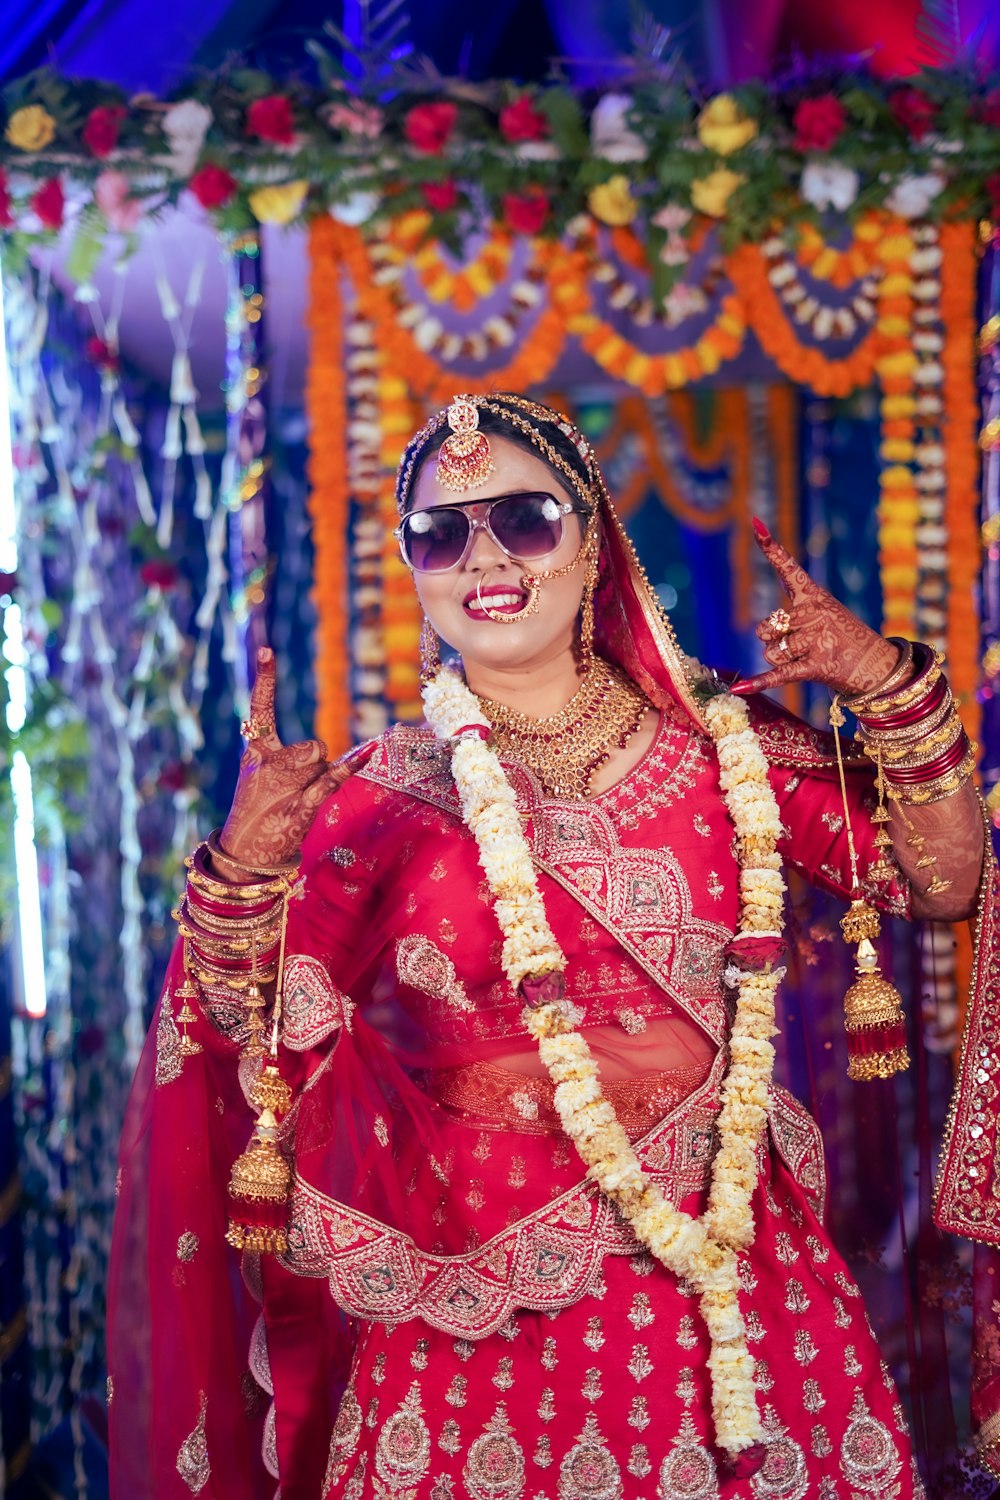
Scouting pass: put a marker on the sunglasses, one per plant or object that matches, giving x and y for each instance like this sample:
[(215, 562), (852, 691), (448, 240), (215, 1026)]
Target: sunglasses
[(527, 525)]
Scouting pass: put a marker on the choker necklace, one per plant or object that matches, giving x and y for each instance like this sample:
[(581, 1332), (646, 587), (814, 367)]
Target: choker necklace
[(565, 750)]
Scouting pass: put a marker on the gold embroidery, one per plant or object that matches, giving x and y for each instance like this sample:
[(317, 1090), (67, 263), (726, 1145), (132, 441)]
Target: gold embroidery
[(638, 1416), (638, 1461), (504, 1377), (547, 1405), (494, 1467), (589, 1468), (187, 1246), (451, 1437), (820, 1442), (543, 1451), (419, 1356), (805, 1349), (424, 967), (403, 1450), (812, 1397), (169, 1058), (344, 1438), (549, 1356), (313, 1008), (784, 1475), (640, 1314), (688, 1471), (640, 1365), (686, 1389), (592, 1390), (192, 1459), (868, 1455), (455, 1394)]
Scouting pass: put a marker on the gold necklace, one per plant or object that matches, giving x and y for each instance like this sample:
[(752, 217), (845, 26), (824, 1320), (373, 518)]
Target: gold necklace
[(566, 749)]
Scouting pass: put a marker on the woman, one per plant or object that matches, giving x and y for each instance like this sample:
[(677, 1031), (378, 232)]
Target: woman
[(551, 1230)]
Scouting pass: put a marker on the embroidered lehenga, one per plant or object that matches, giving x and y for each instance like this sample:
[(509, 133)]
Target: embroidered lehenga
[(460, 1312)]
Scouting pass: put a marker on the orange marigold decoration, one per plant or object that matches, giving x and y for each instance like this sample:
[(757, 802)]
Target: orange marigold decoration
[(748, 269), (898, 509), (326, 408), (461, 287), (840, 267)]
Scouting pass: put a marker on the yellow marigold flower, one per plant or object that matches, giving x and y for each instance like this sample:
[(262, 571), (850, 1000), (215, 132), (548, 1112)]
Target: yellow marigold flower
[(724, 126), (612, 201), (31, 128), (711, 194), (279, 202)]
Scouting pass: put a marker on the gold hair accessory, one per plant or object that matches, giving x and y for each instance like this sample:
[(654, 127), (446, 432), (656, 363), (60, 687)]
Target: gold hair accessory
[(873, 1008), (464, 459)]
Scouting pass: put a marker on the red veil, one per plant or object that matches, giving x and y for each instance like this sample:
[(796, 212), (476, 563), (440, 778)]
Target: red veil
[(201, 1339)]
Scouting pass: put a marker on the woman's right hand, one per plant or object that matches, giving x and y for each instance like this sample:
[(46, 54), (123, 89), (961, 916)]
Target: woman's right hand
[(280, 786)]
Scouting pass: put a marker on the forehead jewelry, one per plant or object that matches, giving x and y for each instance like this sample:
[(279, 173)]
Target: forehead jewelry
[(464, 459)]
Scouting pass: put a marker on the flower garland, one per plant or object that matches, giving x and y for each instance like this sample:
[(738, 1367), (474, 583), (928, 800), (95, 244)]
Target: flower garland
[(899, 505), (841, 267), (462, 286), (821, 321), (748, 270), (704, 1250), (931, 534), (326, 405)]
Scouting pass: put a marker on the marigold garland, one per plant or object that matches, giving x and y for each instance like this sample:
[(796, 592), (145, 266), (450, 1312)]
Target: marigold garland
[(841, 267), (461, 287), (899, 506), (702, 1250), (326, 409)]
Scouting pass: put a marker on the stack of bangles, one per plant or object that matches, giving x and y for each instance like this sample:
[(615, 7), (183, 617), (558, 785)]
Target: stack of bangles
[(233, 926), (911, 729)]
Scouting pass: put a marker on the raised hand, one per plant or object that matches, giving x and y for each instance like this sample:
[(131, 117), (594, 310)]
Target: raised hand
[(279, 786), (815, 638)]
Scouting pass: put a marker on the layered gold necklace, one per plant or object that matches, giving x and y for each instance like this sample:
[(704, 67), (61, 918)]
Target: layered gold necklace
[(566, 749)]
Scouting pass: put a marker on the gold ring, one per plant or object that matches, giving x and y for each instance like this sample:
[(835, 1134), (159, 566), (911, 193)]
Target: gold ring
[(255, 729), (780, 621)]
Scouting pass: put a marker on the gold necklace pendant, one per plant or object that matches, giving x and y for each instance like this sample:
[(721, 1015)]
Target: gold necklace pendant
[(566, 749)]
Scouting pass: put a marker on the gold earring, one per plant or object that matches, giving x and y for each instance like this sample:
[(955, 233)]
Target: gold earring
[(587, 606), (430, 652)]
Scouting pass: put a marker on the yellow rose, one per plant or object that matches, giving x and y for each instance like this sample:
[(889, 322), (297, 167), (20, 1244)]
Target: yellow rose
[(279, 202), (723, 126), (711, 194), (612, 201), (31, 128)]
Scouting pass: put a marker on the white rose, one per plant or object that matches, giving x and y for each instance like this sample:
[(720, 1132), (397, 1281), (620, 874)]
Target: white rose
[(829, 184), (185, 126), (913, 194), (357, 209), (609, 134)]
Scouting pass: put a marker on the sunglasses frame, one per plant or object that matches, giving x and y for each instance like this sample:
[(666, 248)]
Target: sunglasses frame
[(483, 524)]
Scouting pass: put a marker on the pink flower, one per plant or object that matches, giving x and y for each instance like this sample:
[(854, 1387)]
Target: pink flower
[(270, 119), (111, 194), (159, 573), (360, 119), (428, 127), (102, 354)]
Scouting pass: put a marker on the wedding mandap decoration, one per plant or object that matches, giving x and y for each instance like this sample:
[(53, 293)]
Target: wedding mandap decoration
[(836, 228)]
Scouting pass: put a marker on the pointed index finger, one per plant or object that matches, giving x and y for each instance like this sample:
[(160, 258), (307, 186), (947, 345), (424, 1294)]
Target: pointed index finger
[(794, 578), (262, 694)]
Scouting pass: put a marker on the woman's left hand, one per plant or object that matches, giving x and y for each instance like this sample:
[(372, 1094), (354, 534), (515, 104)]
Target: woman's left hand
[(815, 638)]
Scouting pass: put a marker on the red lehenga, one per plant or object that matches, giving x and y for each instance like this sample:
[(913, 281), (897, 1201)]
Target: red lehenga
[(460, 1312)]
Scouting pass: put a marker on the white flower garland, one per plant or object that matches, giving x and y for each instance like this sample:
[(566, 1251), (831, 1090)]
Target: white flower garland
[(704, 1250)]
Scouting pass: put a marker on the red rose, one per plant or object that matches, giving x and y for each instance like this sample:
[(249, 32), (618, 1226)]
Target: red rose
[(49, 203), (159, 573), (521, 121), (988, 111), (213, 186), (6, 212), (439, 196), (270, 119), (100, 134), (525, 213), (914, 111), (819, 123), (102, 354), (993, 193), (428, 126), (174, 776)]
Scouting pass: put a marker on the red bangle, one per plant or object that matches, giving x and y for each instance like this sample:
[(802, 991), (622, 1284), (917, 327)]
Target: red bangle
[(922, 709), (944, 763), (242, 910)]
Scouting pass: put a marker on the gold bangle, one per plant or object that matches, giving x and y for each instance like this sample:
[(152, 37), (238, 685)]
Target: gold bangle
[(224, 890), (214, 848), (924, 793)]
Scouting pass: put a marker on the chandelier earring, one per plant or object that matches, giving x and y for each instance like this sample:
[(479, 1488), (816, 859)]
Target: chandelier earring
[(430, 652), (586, 642)]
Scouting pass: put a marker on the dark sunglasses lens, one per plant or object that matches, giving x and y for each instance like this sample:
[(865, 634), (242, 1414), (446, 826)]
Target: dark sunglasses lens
[(527, 525), (434, 539)]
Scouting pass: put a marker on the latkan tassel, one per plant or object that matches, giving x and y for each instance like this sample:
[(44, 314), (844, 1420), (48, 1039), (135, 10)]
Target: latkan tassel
[(873, 1008), (259, 1187)]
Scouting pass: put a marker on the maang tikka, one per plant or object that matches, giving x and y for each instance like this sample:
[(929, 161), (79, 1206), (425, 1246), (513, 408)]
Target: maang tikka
[(464, 458)]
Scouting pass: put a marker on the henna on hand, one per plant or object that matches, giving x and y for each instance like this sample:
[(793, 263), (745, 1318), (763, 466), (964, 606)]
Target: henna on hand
[(825, 642), (280, 787)]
